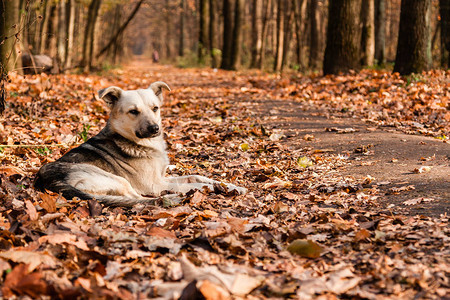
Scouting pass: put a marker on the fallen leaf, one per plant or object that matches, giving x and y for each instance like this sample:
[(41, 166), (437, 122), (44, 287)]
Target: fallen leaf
[(68, 238), (422, 169), (417, 201), (32, 259), (31, 210), (48, 202), (21, 282), (362, 234), (305, 248), (11, 170), (304, 162)]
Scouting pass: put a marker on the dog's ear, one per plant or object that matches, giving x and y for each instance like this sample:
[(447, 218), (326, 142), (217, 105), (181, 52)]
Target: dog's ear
[(157, 88), (110, 95)]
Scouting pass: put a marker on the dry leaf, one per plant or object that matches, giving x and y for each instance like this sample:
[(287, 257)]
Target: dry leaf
[(422, 169), (32, 259), (305, 248), (31, 210)]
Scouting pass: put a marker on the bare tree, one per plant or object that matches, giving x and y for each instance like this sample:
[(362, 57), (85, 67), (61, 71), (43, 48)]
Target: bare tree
[(380, 31), (342, 50), (9, 18), (414, 50), (203, 30), (444, 10), (279, 36), (70, 34), (61, 32), (88, 44), (256, 37), (314, 33), (236, 44), (368, 32), (228, 6), (265, 23), (213, 33)]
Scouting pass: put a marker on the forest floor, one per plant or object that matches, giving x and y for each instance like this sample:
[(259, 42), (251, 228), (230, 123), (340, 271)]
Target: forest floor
[(347, 177)]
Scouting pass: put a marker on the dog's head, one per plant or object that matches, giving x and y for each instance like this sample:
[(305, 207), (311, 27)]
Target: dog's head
[(135, 114)]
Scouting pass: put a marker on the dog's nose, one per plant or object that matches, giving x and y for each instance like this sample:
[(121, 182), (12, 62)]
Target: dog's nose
[(153, 128)]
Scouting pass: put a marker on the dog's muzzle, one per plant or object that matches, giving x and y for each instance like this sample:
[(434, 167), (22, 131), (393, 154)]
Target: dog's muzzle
[(149, 131)]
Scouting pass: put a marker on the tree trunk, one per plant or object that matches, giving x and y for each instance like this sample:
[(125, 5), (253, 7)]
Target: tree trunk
[(342, 51), (299, 15), (168, 27), (380, 31), (88, 44), (53, 31), (227, 34), (213, 33), (203, 31), (9, 19), (256, 32), (265, 23), (182, 24), (61, 32), (288, 29), (279, 36), (444, 10), (44, 26), (236, 45), (368, 32), (414, 41), (314, 25), (70, 33)]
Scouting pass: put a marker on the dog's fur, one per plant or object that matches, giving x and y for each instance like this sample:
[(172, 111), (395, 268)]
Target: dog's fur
[(127, 160)]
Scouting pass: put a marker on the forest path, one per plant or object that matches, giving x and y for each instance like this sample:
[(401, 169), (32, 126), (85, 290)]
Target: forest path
[(391, 157)]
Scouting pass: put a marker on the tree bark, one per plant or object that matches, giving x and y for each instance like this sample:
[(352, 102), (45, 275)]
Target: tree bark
[(444, 10), (256, 32), (279, 36), (121, 29), (203, 31), (342, 50), (9, 16), (227, 34), (368, 32), (299, 15), (414, 41), (213, 33), (61, 32), (70, 33), (88, 44), (380, 31), (265, 23), (182, 24), (237, 35), (314, 25), (44, 26), (288, 30), (53, 31)]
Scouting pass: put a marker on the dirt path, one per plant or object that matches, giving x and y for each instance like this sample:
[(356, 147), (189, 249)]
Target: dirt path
[(387, 155)]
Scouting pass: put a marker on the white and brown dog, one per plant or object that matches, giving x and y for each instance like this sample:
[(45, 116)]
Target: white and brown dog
[(127, 160)]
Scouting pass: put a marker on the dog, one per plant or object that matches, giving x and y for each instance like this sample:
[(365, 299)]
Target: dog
[(126, 161)]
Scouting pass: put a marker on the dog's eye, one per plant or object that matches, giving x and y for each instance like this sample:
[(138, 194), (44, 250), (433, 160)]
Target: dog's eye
[(155, 108), (134, 112)]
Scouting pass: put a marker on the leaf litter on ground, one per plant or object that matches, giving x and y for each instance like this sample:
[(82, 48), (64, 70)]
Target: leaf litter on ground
[(303, 230)]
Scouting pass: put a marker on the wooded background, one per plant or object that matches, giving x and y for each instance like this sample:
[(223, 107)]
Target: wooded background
[(306, 35)]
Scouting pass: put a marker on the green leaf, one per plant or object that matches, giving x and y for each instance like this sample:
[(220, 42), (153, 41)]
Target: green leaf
[(244, 146), (304, 162)]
